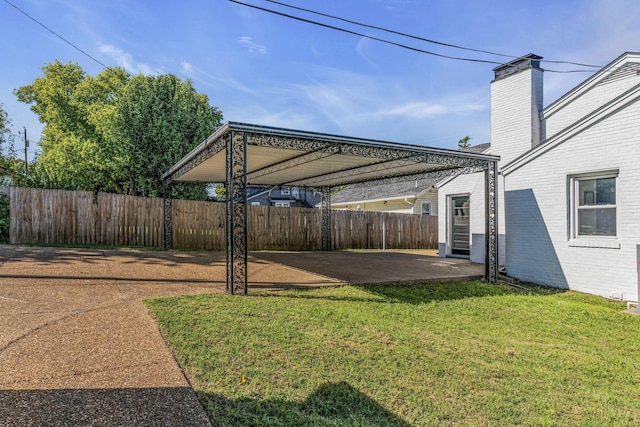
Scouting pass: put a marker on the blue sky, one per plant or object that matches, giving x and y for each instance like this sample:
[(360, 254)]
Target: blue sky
[(266, 69)]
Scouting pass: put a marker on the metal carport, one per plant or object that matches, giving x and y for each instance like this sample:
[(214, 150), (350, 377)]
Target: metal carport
[(242, 155)]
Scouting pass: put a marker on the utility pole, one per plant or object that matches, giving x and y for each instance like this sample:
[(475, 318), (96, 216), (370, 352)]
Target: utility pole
[(26, 146)]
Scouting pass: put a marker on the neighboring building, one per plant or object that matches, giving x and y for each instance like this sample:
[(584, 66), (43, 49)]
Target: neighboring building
[(413, 197), (462, 224), (567, 196), (298, 197)]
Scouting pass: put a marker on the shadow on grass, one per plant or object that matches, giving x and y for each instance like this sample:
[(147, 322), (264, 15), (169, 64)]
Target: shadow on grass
[(427, 292), (416, 293), (335, 404)]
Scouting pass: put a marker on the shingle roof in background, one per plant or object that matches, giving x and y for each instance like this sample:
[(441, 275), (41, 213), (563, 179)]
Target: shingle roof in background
[(356, 193), (480, 148), (353, 193)]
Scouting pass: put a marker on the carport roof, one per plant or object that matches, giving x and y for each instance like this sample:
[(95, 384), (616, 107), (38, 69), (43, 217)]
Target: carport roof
[(287, 157)]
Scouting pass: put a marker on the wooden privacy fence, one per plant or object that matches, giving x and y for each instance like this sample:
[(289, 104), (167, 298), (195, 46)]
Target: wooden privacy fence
[(83, 218), (58, 217)]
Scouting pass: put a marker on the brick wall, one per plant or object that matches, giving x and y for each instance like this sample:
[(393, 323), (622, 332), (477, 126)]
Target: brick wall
[(538, 213), (567, 111), (515, 104)]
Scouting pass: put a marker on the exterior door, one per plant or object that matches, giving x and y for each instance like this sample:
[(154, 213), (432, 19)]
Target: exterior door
[(460, 230)]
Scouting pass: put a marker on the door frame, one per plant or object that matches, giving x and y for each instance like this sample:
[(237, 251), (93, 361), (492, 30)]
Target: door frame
[(450, 234)]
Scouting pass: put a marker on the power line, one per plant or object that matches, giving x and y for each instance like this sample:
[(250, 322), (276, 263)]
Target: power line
[(344, 30), (547, 70), (175, 109), (53, 32), (388, 30), (420, 38)]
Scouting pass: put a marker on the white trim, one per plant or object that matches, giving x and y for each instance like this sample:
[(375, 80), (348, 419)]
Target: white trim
[(594, 243), (426, 202), (372, 200), (569, 97), (449, 223), (587, 241)]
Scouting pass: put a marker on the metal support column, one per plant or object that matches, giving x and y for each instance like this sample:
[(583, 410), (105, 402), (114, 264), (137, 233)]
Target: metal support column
[(326, 218), (236, 213), (491, 218), (168, 219)]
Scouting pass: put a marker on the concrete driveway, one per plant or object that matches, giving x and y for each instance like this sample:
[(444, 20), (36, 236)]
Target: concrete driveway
[(78, 347)]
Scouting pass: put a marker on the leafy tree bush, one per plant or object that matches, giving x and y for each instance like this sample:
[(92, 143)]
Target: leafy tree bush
[(4, 218), (116, 132)]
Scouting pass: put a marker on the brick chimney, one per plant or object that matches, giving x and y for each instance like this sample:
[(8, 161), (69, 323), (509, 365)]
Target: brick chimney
[(516, 103)]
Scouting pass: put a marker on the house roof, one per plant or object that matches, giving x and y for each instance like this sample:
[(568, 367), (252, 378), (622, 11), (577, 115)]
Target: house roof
[(624, 66), (259, 192), (387, 191), (620, 67), (480, 148)]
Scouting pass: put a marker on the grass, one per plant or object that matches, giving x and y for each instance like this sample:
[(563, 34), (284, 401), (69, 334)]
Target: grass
[(463, 353)]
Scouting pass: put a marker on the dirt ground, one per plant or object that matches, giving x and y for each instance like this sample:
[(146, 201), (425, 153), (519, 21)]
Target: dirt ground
[(78, 347)]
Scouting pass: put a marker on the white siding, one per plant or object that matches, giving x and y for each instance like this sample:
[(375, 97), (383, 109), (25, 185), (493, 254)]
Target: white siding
[(430, 196), (472, 184), (538, 218), (395, 206)]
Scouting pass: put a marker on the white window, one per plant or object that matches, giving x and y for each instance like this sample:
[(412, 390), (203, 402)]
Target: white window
[(285, 191), (594, 205), (255, 203), (282, 204), (425, 208)]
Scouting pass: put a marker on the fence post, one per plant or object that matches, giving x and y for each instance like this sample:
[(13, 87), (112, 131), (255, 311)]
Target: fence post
[(326, 218), (384, 232), (168, 219)]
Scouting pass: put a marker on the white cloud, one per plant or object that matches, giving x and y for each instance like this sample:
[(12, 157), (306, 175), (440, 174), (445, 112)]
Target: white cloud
[(125, 60), (186, 68), (422, 110), (252, 46), (394, 4), (212, 80)]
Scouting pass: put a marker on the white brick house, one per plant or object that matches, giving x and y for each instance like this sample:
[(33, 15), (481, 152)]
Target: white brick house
[(571, 210)]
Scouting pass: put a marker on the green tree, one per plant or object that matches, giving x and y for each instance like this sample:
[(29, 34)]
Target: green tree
[(77, 152), (463, 143), (158, 120), (115, 132), (9, 165), (6, 168), (5, 126)]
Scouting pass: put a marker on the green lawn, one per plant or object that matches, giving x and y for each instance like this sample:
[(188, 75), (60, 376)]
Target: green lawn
[(457, 353)]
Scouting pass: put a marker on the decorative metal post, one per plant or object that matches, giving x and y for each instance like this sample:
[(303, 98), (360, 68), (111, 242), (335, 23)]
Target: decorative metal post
[(326, 218), (236, 213), (168, 219), (491, 214)]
